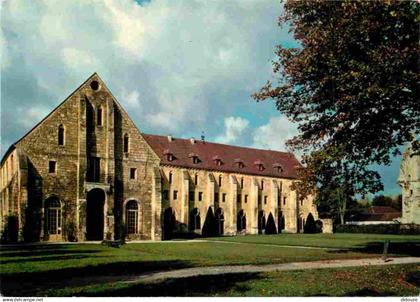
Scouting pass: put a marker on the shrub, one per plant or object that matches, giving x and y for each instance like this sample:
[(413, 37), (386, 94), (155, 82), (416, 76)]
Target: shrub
[(398, 229), (310, 226)]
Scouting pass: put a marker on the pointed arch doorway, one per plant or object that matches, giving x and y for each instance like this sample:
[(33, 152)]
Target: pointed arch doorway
[(95, 214)]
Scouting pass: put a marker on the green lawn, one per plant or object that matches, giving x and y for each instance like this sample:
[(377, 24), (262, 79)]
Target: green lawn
[(337, 240), (51, 266), (395, 280)]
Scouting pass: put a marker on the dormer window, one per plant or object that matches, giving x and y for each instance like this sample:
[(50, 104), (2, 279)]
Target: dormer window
[(169, 155), (260, 165), (194, 158), (278, 167), (217, 160), (239, 163)]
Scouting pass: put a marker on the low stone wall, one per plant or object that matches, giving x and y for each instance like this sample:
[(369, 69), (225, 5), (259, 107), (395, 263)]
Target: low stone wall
[(327, 226)]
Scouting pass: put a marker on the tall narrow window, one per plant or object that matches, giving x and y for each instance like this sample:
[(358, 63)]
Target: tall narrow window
[(196, 179), (246, 198), (200, 196), (265, 199), (126, 142), (52, 166), (220, 180), (284, 200), (99, 116), (242, 183), (223, 197), (262, 184), (170, 177), (53, 215), (94, 169), (132, 214), (61, 135), (175, 195), (133, 173)]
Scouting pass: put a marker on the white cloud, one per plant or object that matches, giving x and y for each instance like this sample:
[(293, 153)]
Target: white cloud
[(176, 66), (274, 134), (31, 116), (234, 128)]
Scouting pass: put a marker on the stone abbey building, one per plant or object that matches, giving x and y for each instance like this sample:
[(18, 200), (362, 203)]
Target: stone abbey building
[(86, 172)]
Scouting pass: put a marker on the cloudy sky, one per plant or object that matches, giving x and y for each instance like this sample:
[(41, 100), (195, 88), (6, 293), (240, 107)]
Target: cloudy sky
[(178, 67)]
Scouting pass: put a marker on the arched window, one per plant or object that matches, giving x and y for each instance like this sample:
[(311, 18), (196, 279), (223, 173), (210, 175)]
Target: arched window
[(53, 215), (126, 142), (99, 116), (61, 135), (132, 214)]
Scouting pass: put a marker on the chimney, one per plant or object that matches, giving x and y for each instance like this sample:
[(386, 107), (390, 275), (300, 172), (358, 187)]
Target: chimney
[(192, 140), (170, 138), (202, 136)]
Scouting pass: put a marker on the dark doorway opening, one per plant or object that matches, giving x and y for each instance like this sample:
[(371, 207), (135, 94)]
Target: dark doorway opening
[(95, 214), (241, 221), (220, 222), (281, 222), (169, 221), (195, 221), (261, 222)]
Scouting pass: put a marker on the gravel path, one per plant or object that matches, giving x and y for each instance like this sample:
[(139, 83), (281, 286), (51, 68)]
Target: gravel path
[(216, 270)]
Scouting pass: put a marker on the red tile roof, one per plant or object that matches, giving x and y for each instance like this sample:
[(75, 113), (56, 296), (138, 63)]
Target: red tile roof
[(230, 157)]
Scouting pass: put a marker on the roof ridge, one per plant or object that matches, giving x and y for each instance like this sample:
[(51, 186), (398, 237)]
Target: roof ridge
[(236, 146)]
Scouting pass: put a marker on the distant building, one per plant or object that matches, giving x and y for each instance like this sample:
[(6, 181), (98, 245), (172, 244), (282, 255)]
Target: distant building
[(409, 181), (375, 215), (86, 171)]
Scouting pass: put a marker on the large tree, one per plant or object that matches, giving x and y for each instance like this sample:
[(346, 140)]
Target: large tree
[(352, 86)]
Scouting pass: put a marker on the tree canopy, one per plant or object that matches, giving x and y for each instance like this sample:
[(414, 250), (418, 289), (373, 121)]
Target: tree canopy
[(352, 86)]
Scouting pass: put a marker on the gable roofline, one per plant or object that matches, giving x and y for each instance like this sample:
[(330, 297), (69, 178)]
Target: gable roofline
[(13, 146), (125, 112), (95, 74), (58, 106), (6, 154)]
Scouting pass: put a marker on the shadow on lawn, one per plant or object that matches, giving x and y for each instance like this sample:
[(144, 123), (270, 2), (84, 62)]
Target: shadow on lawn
[(29, 283), (377, 247), (47, 258), (43, 250), (181, 287)]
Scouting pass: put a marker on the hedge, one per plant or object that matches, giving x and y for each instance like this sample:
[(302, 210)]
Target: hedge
[(397, 229)]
